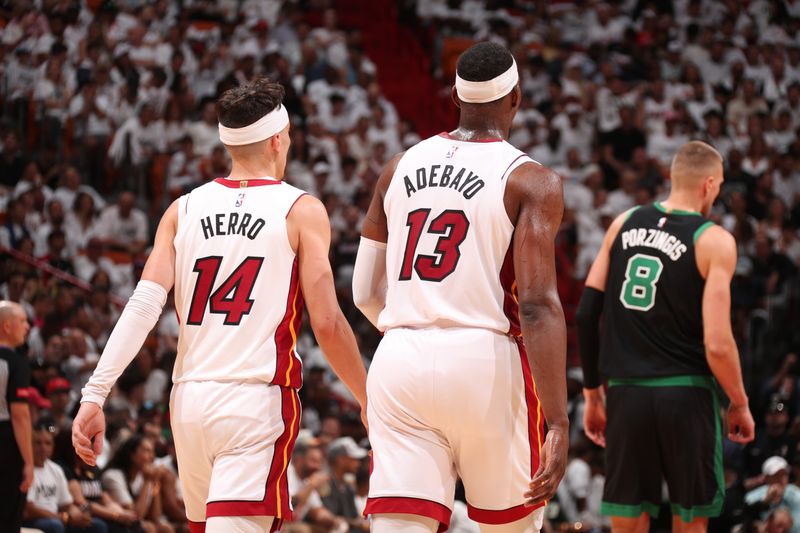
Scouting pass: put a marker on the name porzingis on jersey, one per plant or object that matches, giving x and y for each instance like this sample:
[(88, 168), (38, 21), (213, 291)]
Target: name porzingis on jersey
[(465, 182), (663, 241), (232, 224)]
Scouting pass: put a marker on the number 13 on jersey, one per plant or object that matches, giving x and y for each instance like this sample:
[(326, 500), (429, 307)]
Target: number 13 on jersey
[(453, 227)]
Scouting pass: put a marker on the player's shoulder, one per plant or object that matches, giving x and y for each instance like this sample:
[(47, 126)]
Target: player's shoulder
[(307, 208), (533, 180), (714, 238)]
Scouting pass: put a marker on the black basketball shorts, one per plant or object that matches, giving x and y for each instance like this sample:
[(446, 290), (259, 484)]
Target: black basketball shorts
[(663, 429)]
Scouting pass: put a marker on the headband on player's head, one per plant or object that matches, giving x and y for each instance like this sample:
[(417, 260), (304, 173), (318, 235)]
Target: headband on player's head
[(263, 128), (480, 92)]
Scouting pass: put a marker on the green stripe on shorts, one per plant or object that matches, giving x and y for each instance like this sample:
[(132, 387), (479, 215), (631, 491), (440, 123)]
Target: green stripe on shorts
[(715, 507), (628, 511), (670, 381)]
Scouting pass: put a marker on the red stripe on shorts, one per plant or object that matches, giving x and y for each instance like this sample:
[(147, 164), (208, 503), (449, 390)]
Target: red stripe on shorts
[(276, 495), (510, 304), (288, 369), (197, 527), (415, 506), (501, 516), (535, 431)]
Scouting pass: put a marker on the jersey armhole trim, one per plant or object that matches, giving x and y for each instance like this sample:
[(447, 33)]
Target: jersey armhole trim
[(293, 204), (699, 231), (286, 224), (630, 212), (508, 170), (514, 165)]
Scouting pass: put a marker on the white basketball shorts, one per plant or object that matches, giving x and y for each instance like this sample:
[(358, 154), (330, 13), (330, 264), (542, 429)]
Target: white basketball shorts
[(234, 442), (449, 403)]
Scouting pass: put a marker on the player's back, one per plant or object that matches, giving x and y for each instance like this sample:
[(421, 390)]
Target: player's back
[(448, 256), (652, 315), (237, 291)]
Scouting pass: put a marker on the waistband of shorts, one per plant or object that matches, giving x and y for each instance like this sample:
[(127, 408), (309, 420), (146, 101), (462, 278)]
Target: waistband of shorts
[(449, 329), (667, 381)]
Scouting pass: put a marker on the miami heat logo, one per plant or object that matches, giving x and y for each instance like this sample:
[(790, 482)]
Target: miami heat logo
[(240, 200)]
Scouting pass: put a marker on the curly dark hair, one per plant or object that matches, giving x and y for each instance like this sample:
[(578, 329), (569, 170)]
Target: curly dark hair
[(484, 61)]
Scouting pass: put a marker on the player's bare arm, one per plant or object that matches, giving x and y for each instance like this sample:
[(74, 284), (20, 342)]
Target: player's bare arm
[(369, 273), (534, 202), (588, 318), (716, 259), (21, 426), (310, 234), (138, 318)]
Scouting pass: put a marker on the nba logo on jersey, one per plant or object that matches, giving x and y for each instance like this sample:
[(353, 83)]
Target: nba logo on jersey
[(240, 200), (452, 152), (662, 221)]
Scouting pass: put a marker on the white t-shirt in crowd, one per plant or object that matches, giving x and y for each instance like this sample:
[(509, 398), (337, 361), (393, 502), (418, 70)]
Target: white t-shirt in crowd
[(49, 490)]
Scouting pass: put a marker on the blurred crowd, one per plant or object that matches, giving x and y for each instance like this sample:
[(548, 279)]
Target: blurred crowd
[(108, 115)]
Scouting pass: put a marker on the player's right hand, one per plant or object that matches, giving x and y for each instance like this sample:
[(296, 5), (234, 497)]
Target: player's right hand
[(27, 477), (88, 431), (741, 427), (594, 422)]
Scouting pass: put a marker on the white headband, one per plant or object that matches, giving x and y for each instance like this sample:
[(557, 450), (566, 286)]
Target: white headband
[(263, 128), (480, 92)]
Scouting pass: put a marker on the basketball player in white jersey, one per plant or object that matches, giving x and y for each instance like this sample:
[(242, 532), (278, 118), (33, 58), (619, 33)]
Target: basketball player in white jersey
[(244, 253), (454, 221)]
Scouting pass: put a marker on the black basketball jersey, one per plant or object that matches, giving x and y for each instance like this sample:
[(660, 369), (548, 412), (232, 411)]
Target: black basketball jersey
[(652, 314)]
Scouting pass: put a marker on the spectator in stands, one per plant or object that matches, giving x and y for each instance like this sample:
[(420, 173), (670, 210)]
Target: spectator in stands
[(12, 160), (57, 255), (50, 506), (15, 228), (776, 492), (344, 457), (134, 482), (123, 226), (86, 488), (57, 393), (204, 132), (307, 476), (773, 440)]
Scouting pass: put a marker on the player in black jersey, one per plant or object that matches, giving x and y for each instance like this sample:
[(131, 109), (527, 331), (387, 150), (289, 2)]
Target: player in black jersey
[(662, 285)]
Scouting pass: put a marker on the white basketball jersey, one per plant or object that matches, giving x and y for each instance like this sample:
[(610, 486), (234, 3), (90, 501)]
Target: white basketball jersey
[(448, 256), (237, 291)]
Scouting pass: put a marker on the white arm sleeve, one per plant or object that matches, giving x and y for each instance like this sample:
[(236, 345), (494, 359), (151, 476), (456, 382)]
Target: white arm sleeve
[(369, 279), (139, 316)]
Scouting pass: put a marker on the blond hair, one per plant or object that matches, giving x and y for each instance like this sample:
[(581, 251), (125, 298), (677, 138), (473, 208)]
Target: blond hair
[(693, 163)]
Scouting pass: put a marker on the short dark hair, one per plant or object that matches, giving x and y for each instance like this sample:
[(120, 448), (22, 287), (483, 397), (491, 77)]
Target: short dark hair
[(243, 105), (484, 61)]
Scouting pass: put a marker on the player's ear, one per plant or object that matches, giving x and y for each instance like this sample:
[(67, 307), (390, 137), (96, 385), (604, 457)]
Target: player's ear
[(454, 96), (275, 142), (708, 185), (516, 97)]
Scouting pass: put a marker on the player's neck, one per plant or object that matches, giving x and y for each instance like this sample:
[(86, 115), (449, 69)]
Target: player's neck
[(248, 170), (478, 129), (681, 202)]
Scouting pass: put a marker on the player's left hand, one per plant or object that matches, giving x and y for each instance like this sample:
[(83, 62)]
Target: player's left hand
[(741, 427), (88, 431), (552, 463)]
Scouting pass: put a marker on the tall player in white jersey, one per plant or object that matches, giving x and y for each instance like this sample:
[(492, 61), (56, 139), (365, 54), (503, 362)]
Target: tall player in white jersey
[(244, 254), (457, 265)]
